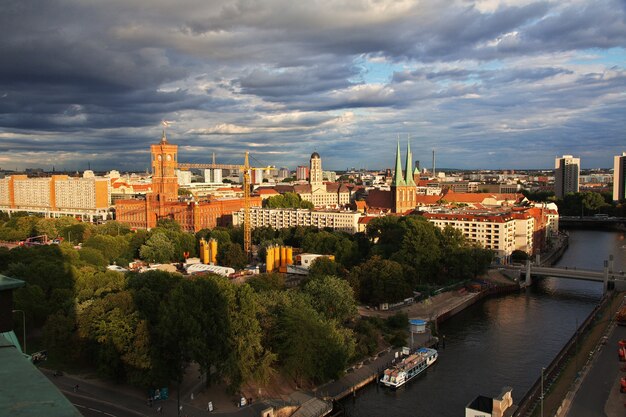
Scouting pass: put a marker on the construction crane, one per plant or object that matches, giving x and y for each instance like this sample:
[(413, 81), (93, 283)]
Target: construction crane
[(247, 231)]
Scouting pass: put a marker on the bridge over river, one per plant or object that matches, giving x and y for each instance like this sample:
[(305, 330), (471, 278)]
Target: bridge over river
[(618, 278)]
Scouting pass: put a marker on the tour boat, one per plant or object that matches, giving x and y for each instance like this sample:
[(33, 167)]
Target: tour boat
[(409, 367)]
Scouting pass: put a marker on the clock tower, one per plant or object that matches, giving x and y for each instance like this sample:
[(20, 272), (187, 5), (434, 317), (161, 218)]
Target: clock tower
[(164, 164)]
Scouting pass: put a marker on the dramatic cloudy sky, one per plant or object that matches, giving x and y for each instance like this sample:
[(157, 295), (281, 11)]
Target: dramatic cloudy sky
[(487, 84)]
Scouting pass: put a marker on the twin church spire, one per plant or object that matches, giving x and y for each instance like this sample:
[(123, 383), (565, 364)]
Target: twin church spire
[(398, 179)]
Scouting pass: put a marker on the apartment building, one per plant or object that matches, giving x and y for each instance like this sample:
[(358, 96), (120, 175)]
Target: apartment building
[(619, 177), (494, 231), (88, 197), (566, 175), (280, 218)]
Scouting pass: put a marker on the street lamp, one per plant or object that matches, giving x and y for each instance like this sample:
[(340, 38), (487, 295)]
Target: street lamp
[(542, 370), (23, 328)]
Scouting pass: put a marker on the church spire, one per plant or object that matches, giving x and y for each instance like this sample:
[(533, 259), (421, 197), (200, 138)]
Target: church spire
[(163, 138), (397, 175), (409, 165)]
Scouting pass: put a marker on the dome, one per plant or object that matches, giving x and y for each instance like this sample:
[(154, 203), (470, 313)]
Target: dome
[(315, 155)]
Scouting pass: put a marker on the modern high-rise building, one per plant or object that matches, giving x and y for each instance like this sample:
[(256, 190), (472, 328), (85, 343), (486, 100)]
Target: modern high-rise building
[(302, 173), (566, 173), (619, 177)]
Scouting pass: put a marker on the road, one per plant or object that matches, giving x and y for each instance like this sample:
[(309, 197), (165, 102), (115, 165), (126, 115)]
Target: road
[(598, 395), (94, 401)]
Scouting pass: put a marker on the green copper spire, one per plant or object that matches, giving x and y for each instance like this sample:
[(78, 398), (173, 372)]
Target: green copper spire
[(409, 165), (397, 176)]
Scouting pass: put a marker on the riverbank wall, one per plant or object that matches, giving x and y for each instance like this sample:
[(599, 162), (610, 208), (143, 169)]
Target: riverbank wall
[(551, 373), (554, 255), (487, 292)]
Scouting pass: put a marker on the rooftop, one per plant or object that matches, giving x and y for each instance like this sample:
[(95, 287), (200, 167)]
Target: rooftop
[(26, 392), (7, 283)]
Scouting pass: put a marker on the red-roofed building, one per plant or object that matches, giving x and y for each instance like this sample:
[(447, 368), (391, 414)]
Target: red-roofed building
[(266, 192), (486, 199), (494, 231), (163, 202)]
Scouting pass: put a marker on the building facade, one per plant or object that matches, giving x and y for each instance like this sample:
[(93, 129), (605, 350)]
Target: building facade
[(280, 218), (619, 177), (403, 188), (59, 195), (163, 202), (495, 231), (566, 173), (302, 173), (318, 192)]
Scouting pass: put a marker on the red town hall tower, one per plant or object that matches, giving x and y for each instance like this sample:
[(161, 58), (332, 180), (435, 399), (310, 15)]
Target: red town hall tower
[(163, 202)]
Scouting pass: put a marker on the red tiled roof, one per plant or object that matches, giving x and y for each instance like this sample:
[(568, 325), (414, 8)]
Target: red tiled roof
[(468, 217), (366, 219), (266, 191), (380, 199), (424, 200)]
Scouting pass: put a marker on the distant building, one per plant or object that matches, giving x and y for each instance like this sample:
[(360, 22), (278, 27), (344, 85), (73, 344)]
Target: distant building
[(163, 202), (402, 196), (302, 173), (59, 195), (184, 177), (329, 176), (321, 194), (283, 173), (213, 176), (566, 173), (403, 188), (280, 218), (494, 231), (619, 177)]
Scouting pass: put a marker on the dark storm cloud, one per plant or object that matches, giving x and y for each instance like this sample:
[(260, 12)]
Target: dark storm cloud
[(281, 78)]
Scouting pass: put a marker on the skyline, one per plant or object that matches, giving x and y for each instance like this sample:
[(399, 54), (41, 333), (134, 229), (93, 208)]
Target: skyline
[(487, 84)]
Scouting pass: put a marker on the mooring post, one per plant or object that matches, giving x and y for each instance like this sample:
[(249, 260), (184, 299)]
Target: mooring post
[(611, 263), (528, 279)]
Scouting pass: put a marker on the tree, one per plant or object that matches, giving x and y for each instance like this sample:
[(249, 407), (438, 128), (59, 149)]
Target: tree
[(380, 281), (158, 248), (169, 224), (419, 247), (46, 227), (247, 358), (113, 228), (333, 297), (111, 247), (77, 233), (519, 256), (267, 282), (309, 346), (93, 256), (323, 266), (232, 255)]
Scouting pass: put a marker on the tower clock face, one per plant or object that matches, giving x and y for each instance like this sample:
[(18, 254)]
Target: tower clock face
[(159, 157), (169, 157)]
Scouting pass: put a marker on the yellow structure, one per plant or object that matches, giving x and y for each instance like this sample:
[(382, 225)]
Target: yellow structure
[(208, 251), (278, 257), (269, 259), (213, 251)]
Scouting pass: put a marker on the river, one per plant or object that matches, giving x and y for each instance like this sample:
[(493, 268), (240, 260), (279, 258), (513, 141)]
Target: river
[(501, 341)]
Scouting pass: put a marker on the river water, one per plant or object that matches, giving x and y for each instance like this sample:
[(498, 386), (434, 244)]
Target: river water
[(501, 341)]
